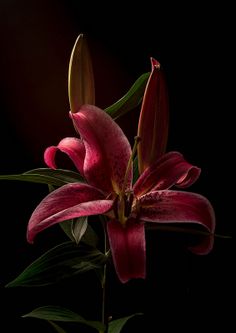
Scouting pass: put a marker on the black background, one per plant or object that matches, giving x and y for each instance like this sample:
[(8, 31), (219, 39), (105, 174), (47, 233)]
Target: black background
[(192, 43)]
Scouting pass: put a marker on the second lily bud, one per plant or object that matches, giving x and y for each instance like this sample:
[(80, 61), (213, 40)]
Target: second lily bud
[(80, 77)]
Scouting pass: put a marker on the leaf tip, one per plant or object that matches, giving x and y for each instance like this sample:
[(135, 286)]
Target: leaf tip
[(12, 283)]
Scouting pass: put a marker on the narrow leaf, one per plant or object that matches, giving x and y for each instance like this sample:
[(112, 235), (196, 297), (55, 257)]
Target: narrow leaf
[(79, 227), (57, 313), (57, 177), (80, 77), (57, 328), (90, 237), (75, 228), (115, 326), (135, 169), (130, 100), (67, 228), (63, 261)]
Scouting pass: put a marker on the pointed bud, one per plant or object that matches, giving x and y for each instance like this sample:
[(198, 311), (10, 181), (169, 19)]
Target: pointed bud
[(80, 77), (154, 119)]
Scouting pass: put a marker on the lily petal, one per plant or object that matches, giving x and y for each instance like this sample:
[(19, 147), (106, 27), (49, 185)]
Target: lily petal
[(171, 169), (67, 202), (180, 207), (73, 147), (107, 149), (80, 77), (128, 249), (154, 119)]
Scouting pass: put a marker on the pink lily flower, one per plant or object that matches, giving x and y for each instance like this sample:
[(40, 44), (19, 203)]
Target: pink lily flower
[(104, 157)]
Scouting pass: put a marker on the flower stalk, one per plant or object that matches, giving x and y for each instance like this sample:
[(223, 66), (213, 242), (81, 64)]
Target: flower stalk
[(105, 281)]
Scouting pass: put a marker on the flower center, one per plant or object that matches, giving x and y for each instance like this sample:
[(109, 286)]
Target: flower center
[(123, 207), (124, 199)]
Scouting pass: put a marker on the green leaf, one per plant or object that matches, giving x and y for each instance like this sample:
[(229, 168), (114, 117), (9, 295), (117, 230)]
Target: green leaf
[(63, 261), (130, 100), (79, 227), (57, 328), (115, 326), (57, 177), (67, 228), (89, 236), (75, 228), (57, 313), (135, 169)]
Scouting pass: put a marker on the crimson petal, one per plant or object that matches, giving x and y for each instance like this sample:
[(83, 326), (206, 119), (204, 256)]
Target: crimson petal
[(73, 147), (107, 149), (67, 202), (128, 249), (154, 119), (171, 169), (180, 207)]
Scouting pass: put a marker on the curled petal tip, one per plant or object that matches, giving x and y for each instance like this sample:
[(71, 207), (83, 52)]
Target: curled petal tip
[(73, 147), (49, 157), (107, 149), (181, 207), (29, 238), (169, 170)]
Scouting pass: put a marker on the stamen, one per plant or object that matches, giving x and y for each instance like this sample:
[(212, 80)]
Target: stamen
[(121, 211), (137, 139)]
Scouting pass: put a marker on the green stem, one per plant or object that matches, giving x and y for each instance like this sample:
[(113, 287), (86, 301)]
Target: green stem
[(104, 283), (104, 305)]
